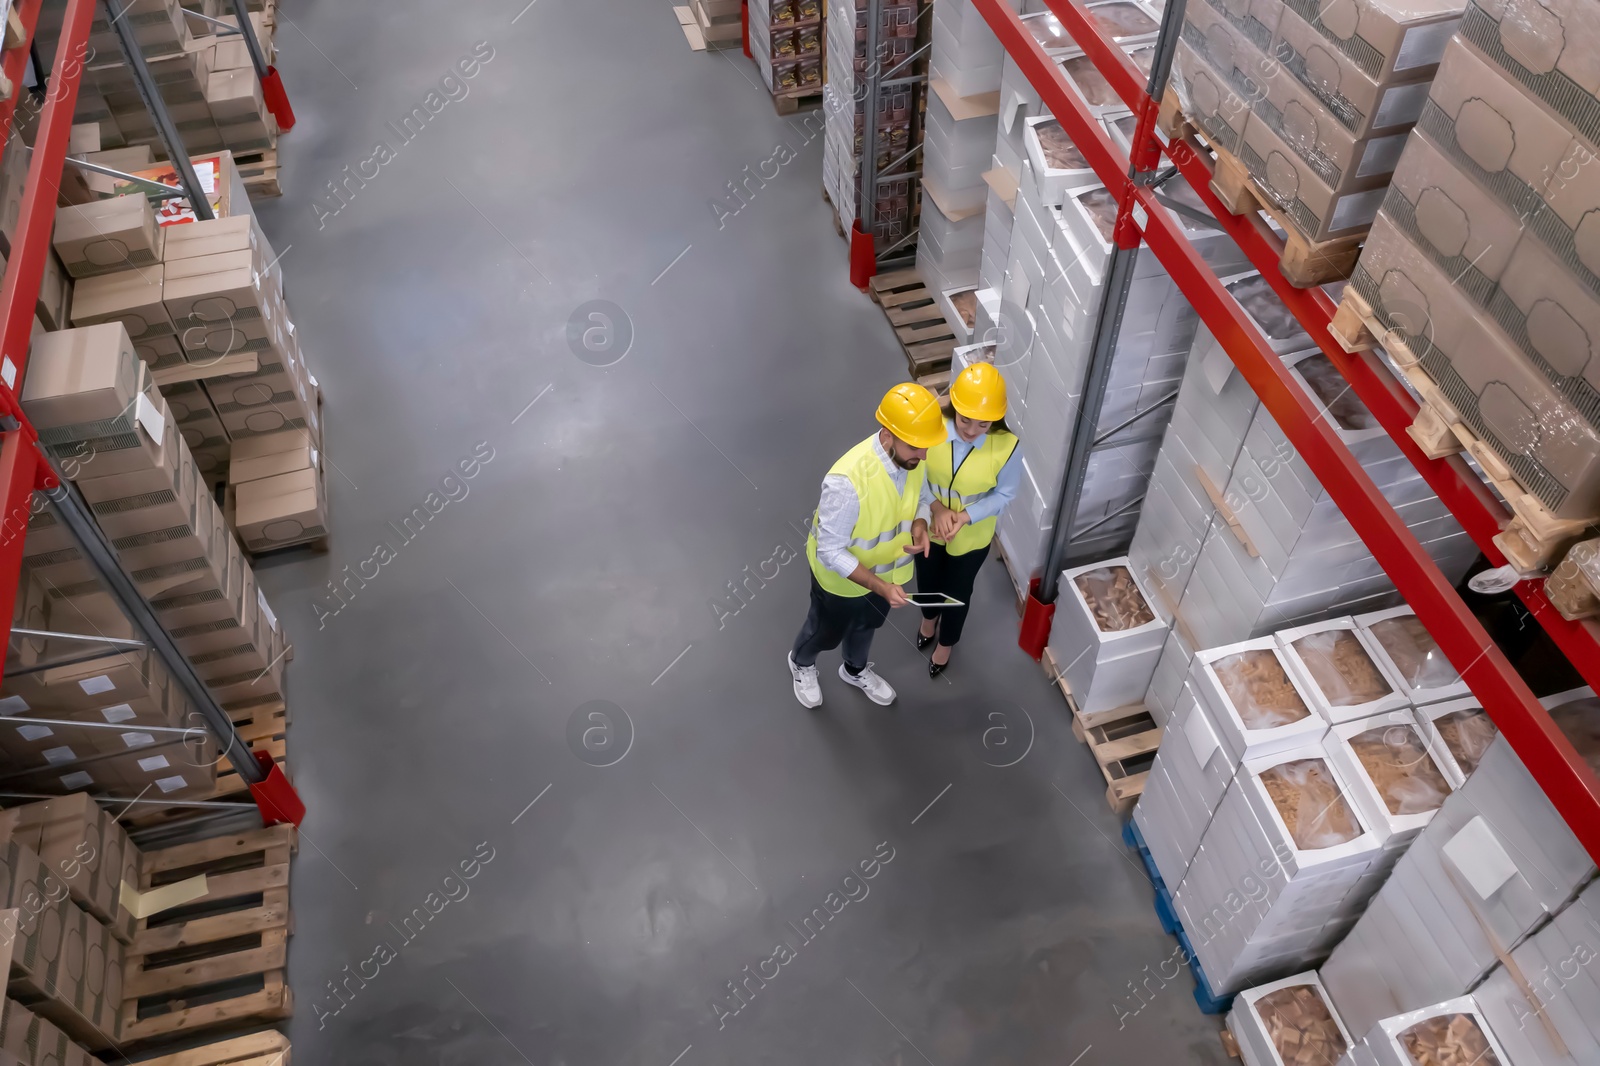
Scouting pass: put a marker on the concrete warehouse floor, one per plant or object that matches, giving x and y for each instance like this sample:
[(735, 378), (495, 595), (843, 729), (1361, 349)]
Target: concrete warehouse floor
[(584, 560)]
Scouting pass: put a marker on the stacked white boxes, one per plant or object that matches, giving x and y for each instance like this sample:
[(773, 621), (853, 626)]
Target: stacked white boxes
[(1291, 1022), (957, 134), (1106, 636), (1396, 772), (1334, 663), (1282, 872), (1559, 1024), (1459, 732), (1496, 861), (1455, 1030)]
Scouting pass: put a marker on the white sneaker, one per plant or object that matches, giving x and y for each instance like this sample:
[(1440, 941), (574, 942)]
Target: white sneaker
[(807, 689), (877, 689)]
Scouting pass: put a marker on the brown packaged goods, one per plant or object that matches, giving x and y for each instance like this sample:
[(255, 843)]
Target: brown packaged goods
[(1113, 599), (1468, 735), (1544, 440), (1413, 651), (966, 305), (1448, 1040), (1102, 208), (1300, 1026), (1388, 39), (1093, 85), (1469, 233), (1361, 104), (1059, 151), (1120, 20), (1555, 320), (1208, 100), (1579, 722), (1259, 689), (1547, 45), (1494, 130), (1312, 805), (1341, 667), (1401, 769), (1255, 19), (104, 236), (1332, 388), (1316, 210)]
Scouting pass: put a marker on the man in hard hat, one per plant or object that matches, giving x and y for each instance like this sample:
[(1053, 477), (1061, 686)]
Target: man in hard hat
[(873, 516)]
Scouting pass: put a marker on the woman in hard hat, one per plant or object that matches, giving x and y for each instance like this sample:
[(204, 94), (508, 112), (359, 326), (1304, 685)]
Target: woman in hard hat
[(869, 524), (973, 475)]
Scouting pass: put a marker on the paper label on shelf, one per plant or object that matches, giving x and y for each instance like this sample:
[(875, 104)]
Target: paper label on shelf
[(117, 712), (266, 612), (56, 756), (138, 740), (1202, 738), (153, 763), (169, 784), (93, 686), (34, 732), (153, 421), (13, 705), (76, 780), (8, 372), (1480, 857)]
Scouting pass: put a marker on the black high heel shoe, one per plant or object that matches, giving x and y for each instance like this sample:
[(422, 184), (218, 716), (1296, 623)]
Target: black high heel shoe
[(935, 669), (922, 641)]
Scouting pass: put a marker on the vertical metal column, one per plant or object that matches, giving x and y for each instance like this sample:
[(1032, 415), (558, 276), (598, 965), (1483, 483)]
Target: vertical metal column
[(158, 112), (75, 514), (1113, 304), (867, 198)]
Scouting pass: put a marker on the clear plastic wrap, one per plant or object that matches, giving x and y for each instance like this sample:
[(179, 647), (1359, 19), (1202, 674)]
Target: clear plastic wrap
[(1341, 668), (1300, 1026), (1259, 689), (1335, 393), (1580, 720), (1448, 1040), (1122, 20), (1102, 208), (1401, 769), (1263, 305), (1412, 650), (1113, 599), (1087, 77), (1308, 797), (1468, 735), (1049, 32), (1059, 151)]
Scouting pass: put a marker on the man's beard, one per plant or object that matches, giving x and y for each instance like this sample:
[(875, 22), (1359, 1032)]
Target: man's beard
[(904, 464)]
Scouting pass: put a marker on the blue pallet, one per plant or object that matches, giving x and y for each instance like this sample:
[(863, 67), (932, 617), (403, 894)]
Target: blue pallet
[(1207, 1000)]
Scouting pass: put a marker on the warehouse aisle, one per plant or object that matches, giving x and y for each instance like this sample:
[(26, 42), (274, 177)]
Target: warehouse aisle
[(563, 804)]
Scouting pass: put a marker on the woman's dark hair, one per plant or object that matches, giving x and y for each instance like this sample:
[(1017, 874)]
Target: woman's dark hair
[(998, 424)]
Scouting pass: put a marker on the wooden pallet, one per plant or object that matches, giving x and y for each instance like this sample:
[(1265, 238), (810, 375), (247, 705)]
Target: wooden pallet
[(796, 100), (266, 1048), (1123, 741), (919, 323), (1230, 1046), (1305, 263), (264, 727), (219, 960), (1534, 539), (259, 172)]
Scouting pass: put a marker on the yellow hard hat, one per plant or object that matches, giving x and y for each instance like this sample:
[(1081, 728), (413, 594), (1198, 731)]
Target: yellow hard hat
[(979, 392), (911, 413)]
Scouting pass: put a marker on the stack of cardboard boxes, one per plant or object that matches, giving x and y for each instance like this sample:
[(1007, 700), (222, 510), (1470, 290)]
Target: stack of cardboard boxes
[(1483, 260), (99, 414), (65, 864), (1313, 100)]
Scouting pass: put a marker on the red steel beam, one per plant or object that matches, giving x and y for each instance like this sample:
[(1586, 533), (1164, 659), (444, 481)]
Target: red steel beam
[(1549, 756)]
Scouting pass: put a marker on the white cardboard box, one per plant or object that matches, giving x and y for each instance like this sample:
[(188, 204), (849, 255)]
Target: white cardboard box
[(1105, 668), (1241, 736), (1384, 1042), (1250, 1029), (1310, 653), (1466, 734), (1418, 800), (1400, 643)]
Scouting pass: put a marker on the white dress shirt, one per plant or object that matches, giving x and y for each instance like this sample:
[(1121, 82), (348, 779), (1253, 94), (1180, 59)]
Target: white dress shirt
[(839, 508)]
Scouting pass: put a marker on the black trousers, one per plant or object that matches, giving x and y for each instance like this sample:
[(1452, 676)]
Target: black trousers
[(952, 575), (835, 620)]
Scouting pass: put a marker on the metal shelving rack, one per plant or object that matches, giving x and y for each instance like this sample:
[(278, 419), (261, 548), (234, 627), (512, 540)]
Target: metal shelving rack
[(24, 468), (1566, 779)]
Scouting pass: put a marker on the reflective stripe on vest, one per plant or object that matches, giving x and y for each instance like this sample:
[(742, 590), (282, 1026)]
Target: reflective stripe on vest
[(974, 480), (883, 525)]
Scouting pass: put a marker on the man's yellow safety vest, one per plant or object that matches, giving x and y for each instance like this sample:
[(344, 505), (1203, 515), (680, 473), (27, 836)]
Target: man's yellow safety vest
[(883, 527), (976, 478)]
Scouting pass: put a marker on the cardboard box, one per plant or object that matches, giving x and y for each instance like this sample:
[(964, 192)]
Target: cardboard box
[(1337, 668), (1409, 655), (1548, 46), (1208, 100), (1385, 1044), (1489, 383), (131, 297), (271, 454), (1226, 51), (239, 233), (82, 983), (1554, 320), (81, 381), (284, 509), (1257, 707), (32, 925), (1248, 1023), (1388, 40), (1360, 103), (1566, 222), (1509, 142), (1401, 807), (1256, 20), (1317, 211), (86, 848), (107, 236), (1107, 654)]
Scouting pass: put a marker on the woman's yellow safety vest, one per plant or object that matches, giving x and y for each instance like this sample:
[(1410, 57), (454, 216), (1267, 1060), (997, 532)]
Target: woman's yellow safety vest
[(976, 478), (883, 528)]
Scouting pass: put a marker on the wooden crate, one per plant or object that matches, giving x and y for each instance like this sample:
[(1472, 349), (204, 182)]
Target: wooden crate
[(259, 172), (1534, 539), (1305, 263), (256, 1049), (919, 324), (219, 960)]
